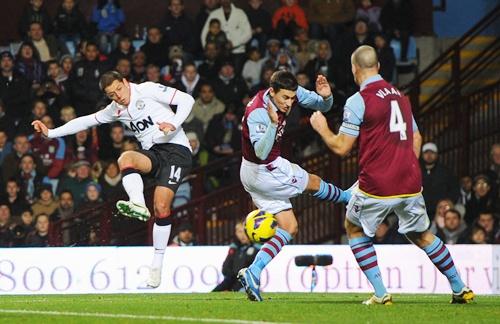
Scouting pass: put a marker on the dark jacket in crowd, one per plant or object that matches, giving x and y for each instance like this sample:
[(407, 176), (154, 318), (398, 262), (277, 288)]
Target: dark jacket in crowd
[(230, 91), (34, 239), (397, 17), (387, 62), (70, 23), (30, 16), (84, 85), (6, 236), (15, 93), (439, 183), (238, 257), (179, 31), (259, 18), (156, 54)]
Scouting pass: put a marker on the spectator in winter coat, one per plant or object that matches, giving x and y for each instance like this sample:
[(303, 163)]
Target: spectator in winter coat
[(108, 17), (69, 23)]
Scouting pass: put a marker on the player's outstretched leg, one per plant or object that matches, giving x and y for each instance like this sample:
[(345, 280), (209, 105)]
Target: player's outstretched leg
[(441, 257), (364, 252), (134, 186), (250, 277), (327, 191)]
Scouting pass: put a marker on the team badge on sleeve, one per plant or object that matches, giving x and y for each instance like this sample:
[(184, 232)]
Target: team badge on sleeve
[(260, 128)]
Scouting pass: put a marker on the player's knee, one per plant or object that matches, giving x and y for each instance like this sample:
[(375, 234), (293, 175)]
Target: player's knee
[(314, 182), (126, 160), (162, 209), (291, 228), (351, 228)]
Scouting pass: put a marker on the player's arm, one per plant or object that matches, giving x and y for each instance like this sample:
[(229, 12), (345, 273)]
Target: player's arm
[(262, 126), (343, 142), (417, 138), (320, 100), (174, 97), (73, 126)]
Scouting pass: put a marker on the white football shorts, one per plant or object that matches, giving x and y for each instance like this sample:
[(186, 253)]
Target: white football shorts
[(368, 212), (272, 185)]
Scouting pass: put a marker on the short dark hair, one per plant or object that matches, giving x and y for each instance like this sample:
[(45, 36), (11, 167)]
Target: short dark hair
[(283, 80), (214, 21), (453, 211), (66, 192), (108, 78)]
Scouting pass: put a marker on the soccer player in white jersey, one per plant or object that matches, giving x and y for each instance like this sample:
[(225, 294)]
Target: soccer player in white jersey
[(166, 154)]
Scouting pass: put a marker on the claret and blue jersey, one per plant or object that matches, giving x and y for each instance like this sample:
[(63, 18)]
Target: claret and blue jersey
[(261, 138), (381, 117)]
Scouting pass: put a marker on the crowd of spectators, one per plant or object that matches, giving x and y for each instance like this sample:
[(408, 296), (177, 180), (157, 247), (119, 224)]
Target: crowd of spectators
[(222, 57)]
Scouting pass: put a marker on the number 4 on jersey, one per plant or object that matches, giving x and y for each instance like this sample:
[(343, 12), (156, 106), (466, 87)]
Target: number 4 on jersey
[(397, 123)]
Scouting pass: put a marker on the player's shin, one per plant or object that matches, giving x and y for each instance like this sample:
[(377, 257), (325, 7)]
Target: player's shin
[(269, 250), (441, 257), (132, 182), (161, 235), (364, 252), (330, 192)]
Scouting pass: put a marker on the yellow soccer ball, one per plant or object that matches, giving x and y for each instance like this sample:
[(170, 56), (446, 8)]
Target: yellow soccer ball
[(260, 226)]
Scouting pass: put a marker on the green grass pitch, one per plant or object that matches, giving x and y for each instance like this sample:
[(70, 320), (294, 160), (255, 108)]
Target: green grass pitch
[(234, 308)]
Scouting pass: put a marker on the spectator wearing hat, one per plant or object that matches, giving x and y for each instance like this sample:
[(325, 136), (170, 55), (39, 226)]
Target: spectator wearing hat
[(14, 89), (45, 202), (438, 181), (234, 22), (273, 46), (40, 236), (482, 199), (76, 181), (185, 236), (230, 87), (6, 235)]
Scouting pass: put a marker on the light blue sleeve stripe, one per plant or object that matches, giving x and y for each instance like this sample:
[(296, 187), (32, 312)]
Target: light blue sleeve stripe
[(354, 112), (414, 124), (311, 100), (61, 149), (262, 132)]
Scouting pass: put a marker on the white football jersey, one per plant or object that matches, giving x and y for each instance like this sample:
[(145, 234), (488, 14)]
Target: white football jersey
[(149, 105)]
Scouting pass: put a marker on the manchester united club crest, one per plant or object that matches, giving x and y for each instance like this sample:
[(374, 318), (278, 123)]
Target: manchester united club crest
[(139, 104)]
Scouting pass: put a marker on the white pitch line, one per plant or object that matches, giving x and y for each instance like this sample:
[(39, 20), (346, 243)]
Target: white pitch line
[(132, 316)]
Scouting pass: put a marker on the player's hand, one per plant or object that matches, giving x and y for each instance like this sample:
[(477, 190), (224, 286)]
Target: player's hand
[(166, 128), (318, 122), (40, 127), (323, 87), (273, 115)]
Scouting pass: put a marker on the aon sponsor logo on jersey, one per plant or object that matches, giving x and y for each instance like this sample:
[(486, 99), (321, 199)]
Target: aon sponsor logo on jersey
[(141, 125)]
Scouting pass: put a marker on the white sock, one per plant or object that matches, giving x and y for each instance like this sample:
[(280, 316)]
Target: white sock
[(134, 187), (161, 234)]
